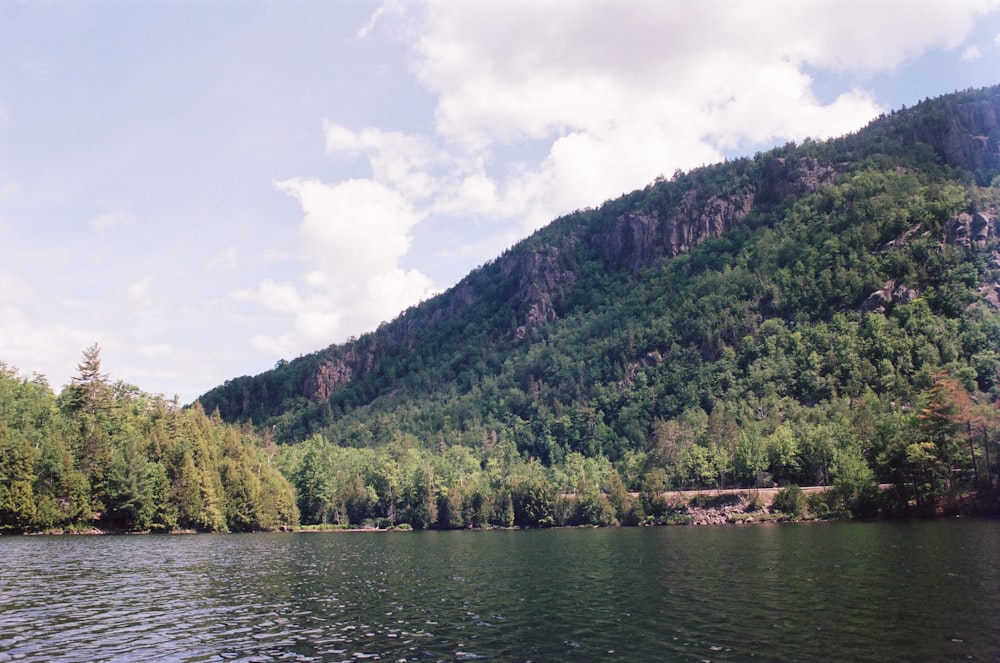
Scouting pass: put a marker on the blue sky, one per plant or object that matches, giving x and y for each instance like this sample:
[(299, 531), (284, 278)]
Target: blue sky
[(204, 188)]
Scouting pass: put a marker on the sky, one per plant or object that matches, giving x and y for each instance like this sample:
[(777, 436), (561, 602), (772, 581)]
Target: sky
[(206, 188)]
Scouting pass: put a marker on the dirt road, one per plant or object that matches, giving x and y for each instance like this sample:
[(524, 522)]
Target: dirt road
[(766, 494)]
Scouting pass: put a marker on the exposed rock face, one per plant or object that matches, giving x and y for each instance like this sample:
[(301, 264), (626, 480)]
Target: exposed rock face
[(980, 230), (969, 137), (972, 230), (880, 300), (637, 241), (906, 237), (782, 179), (972, 136), (991, 291), (330, 375), (538, 282), (339, 371)]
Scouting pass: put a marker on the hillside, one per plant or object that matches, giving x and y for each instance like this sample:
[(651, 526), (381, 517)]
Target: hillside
[(825, 314), (781, 315)]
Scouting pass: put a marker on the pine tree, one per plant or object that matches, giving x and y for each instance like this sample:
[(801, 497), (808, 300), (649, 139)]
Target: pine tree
[(88, 402)]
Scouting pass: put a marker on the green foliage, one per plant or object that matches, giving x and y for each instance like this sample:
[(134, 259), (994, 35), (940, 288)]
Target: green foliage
[(110, 456), (854, 489), (791, 501)]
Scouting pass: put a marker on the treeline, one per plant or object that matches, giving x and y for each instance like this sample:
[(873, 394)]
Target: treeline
[(939, 453), (108, 456)]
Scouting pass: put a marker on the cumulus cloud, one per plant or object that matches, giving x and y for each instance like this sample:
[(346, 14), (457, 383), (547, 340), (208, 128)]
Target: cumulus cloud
[(617, 93), (279, 297), (356, 234), (602, 96), (624, 91), (401, 161)]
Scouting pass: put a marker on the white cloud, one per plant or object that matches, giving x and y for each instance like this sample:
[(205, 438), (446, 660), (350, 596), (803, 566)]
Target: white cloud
[(509, 70), (621, 92), (607, 94), (356, 234), (401, 161), (971, 54), (355, 228), (280, 297), (372, 22)]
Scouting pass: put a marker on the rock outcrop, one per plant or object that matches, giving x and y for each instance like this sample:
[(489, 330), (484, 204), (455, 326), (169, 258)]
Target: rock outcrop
[(975, 230), (891, 293), (972, 230), (965, 134), (637, 241), (537, 281), (972, 138)]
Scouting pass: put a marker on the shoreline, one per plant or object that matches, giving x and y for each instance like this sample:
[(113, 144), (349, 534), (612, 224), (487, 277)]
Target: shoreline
[(720, 506)]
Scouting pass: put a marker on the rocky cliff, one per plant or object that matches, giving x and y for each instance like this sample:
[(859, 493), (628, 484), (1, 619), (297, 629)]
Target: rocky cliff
[(964, 129), (538, 281)]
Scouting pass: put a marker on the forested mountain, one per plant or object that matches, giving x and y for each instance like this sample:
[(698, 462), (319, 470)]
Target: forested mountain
[(823, 313), (788, 313)]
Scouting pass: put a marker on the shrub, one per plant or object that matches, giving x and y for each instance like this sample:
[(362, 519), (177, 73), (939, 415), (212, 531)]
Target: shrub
[(791, 501)]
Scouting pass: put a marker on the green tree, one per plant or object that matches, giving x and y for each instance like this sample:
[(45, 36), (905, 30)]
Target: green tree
[(130, 488), (854, 485), (750, 458), (88, 400), (17, 478)]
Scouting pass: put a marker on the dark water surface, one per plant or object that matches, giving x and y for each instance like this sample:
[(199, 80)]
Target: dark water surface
[(810, 592)]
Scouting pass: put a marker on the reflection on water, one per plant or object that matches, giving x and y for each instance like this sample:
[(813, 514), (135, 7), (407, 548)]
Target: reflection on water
[(851, 591)]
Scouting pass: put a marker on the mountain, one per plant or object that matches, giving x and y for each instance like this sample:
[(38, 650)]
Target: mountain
[(816, 293), (822, 314)]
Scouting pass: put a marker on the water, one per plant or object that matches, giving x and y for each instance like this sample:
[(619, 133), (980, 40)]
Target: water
[(838, 591)]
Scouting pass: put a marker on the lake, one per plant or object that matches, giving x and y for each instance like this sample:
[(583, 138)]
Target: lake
[(926, 591)]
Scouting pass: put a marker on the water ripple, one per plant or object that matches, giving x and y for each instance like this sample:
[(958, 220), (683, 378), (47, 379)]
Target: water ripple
[(856, 592)]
